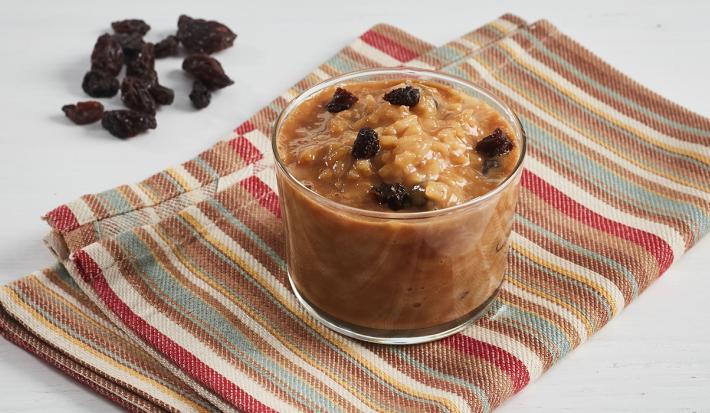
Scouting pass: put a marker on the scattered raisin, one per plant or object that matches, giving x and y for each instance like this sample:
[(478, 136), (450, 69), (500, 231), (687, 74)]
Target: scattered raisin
[(127, 123), (100, 84), (207, 70), (136, 95), (84, 113), (489, 164), (141, 91), (495, 144), (200, 95), (142, 64), (161, 94), (342, 100), (366, 144), (151, 77), (395, 196), (418, 195), (404, 96), (107, 55), (131, 26), (167, 47), (131, 43), (204, 36)]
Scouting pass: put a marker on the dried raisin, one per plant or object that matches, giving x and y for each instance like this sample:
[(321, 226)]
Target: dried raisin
[(395, 196), (167, 47), (366, 144), (84, 113), (131, 26), (127, 123), (404, 96), (135, 94), (131, 43), (141, 91), (207, 70), (100, 84), (107, 55), (200, 95), (161, 94), (143, 63), (495, 144), (342, 100), (204, 36)]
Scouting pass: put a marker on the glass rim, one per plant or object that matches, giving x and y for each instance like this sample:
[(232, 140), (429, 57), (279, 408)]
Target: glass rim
[(411, 72)]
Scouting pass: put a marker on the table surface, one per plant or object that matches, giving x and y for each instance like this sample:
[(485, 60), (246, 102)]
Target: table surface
[(655, 357)]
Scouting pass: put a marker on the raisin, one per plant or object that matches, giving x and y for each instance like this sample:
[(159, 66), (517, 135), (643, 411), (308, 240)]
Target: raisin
[(404, 96), (136, 95), (167, 47), (107, 55), (204, 36), (131, 26), (161, 94), (342, 100), (489, 164), (151, 77), (418, 195), (200, 95), (495, 144), (131, 43), (84, 113), (127, 123), (142, 64), (366, 144), (100, 84), (207, 70), (396, 196)]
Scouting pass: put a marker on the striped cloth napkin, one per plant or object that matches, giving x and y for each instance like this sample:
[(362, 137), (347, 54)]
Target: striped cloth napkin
[(171, 294)]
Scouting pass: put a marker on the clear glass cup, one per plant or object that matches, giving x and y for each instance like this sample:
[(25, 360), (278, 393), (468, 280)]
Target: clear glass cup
[(397, 277)]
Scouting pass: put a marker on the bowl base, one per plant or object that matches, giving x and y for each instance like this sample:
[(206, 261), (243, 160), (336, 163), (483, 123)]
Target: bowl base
[(397, 337)]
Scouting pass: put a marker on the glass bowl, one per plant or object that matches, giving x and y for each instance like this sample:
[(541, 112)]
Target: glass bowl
[(397, 277)]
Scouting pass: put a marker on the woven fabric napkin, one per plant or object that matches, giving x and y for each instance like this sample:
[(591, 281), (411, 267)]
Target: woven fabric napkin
[(86, 343), (173, 294)]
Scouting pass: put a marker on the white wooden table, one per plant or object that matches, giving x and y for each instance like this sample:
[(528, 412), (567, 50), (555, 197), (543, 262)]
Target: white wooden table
[(655, 357)]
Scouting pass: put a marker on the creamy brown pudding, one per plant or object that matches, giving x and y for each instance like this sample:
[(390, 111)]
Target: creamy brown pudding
[(381, 239), (429, 147)]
